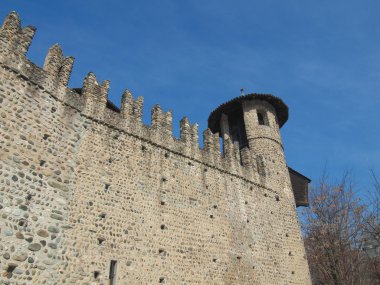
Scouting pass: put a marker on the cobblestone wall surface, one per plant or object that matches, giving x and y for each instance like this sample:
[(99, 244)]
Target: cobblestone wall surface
[(82, 185)]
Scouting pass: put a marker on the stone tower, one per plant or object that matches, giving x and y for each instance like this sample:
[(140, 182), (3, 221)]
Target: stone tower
[(251, 123), (249, 127)]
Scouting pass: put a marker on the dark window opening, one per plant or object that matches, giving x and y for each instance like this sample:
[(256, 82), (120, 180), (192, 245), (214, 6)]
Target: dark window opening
[(262, 118), (101, 241), (96, 274), (163, 227), (162, 203), (162, 280), (237, 128), (46, 136), (102, 215), (107, 187), (112, 275)]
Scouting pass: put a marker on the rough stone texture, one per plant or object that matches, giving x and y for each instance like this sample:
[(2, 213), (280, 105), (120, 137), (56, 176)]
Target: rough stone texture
[(81, 185)]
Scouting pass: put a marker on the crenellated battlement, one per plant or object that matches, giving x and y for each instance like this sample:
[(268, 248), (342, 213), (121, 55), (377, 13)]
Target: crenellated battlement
[(91, 100), (13, 36), (57, 65)]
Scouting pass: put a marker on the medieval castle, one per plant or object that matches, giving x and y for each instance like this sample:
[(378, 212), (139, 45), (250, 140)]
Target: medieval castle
[(91, 195)]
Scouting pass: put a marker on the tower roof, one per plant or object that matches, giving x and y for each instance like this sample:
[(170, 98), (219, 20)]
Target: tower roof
[(229, 106)]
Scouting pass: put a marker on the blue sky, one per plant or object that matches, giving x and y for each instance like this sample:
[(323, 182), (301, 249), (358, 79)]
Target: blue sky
[(321, 57)]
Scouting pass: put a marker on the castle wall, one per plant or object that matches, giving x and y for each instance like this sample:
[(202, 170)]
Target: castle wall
[(36, 151), (82, 185)]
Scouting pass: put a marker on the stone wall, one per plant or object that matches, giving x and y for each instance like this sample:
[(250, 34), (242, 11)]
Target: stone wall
[(81, 185)]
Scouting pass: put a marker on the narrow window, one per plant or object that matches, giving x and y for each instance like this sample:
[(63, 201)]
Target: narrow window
[(112, 275), (260, 117)]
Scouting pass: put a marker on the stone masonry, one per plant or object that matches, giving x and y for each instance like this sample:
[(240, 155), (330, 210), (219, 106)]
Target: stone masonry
[(91, 195)]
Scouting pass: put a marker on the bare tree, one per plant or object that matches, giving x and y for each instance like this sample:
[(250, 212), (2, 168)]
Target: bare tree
[(372, 228), (373, 219), (333, 228)]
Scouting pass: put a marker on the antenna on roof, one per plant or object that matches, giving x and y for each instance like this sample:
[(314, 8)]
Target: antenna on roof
[(241, 91)]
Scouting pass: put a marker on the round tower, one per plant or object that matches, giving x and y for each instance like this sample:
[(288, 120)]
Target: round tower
[(253, 123)]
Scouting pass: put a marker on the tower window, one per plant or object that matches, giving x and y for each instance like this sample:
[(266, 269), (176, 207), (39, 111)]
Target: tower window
[(237, 128), (262, 118)]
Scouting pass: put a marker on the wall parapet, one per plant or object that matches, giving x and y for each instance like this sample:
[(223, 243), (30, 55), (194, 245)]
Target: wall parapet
[(91, 100)]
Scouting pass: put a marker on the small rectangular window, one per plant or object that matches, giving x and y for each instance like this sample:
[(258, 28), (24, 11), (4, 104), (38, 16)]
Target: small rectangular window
[(262, 118), (112, 275)]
